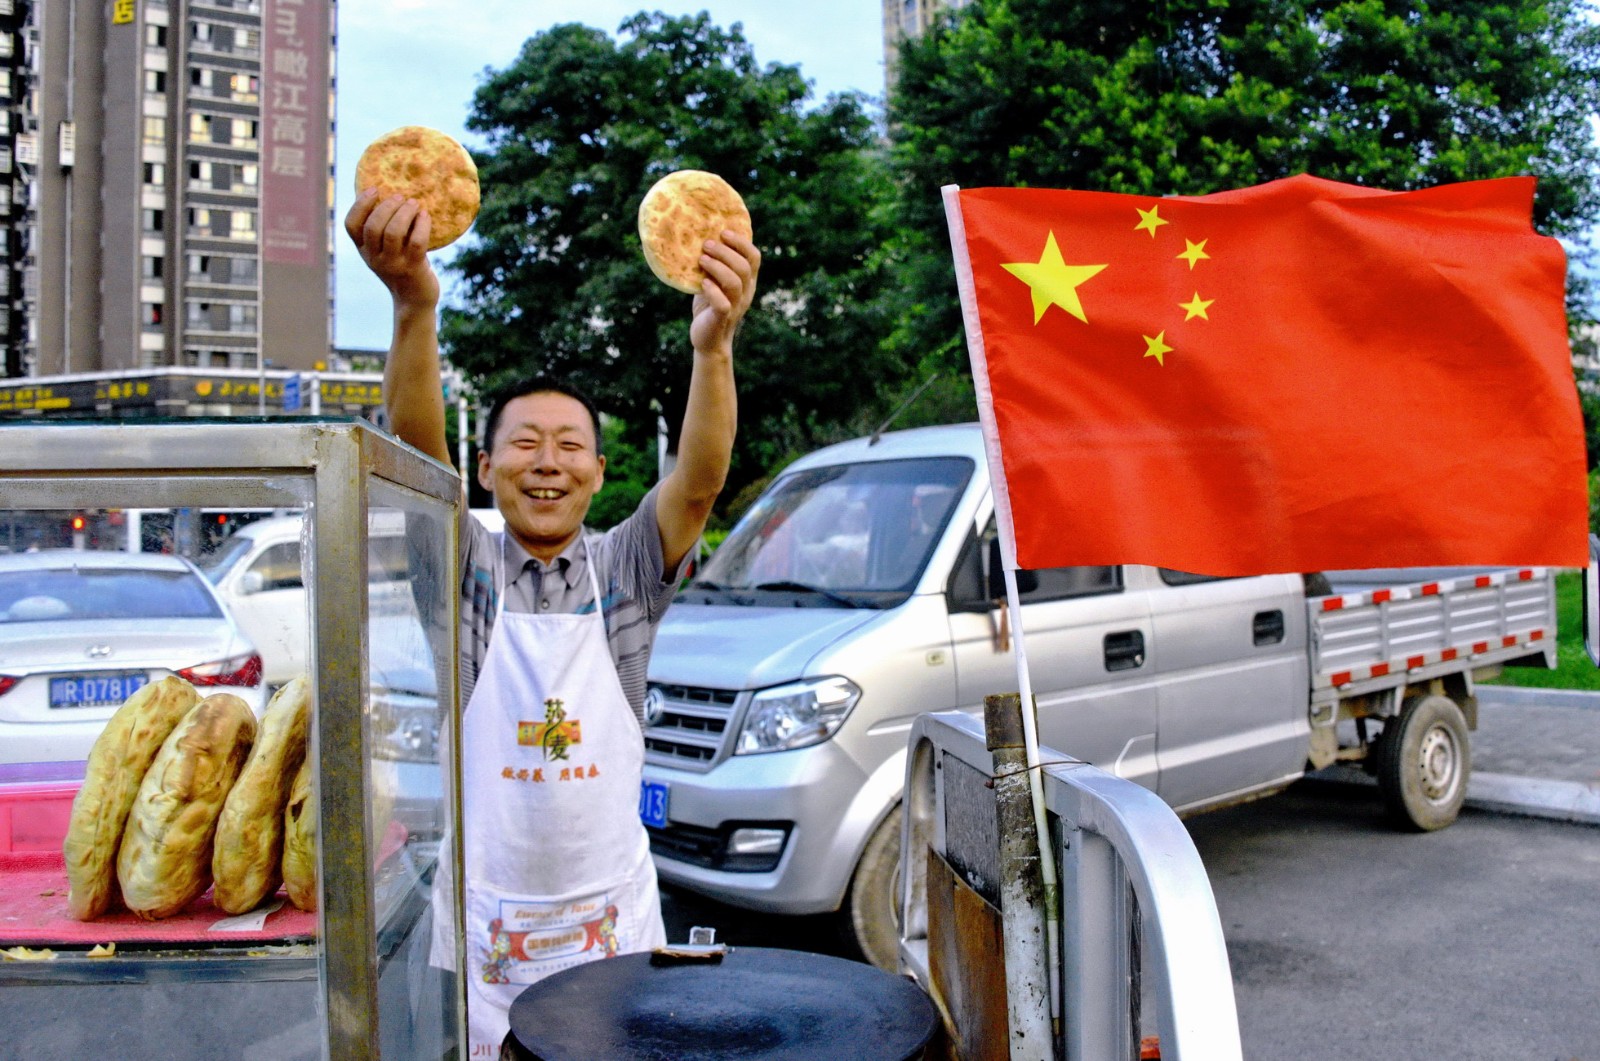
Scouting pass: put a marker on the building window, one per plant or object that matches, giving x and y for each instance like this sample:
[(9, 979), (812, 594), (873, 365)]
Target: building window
[(245, 88), (153, 267), (155, 173), (153, 220), (243, 224), (155, 36), (5, 83), (155, 129), (244, 132), (150, 316), (155, 82)]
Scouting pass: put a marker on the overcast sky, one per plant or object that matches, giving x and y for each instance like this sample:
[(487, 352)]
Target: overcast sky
[(417, 62)]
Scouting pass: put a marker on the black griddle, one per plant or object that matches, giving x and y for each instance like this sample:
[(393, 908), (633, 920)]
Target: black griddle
[(755, 1004)]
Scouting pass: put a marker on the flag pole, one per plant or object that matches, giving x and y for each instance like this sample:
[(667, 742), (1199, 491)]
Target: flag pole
[(1008, 553)]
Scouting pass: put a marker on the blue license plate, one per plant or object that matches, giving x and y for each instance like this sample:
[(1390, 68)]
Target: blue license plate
[(653, 804), (95, 690)]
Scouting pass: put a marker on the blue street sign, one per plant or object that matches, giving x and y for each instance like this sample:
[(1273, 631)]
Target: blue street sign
[(291, 394)]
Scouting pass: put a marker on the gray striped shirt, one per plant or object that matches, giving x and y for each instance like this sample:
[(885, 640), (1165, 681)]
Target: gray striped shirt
[(496, 571)]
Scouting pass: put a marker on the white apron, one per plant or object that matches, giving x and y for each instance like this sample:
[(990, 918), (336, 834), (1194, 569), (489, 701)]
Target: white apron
[(558, 863)]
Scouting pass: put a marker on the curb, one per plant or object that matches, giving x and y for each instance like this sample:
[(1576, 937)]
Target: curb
[(1527, 797), (1568, 801), (1520, 695)]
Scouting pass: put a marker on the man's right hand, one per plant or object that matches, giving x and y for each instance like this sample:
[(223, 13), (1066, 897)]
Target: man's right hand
[(392, 237)]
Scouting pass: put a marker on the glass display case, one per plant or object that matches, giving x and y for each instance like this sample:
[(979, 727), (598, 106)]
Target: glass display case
[(234, 555)]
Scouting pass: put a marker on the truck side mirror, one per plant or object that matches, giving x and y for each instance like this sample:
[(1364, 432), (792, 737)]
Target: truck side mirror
[(1027, 581), (251, 582)]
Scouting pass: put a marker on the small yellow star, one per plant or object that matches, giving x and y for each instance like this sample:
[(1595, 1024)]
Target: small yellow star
[(1053, 281), (1156, 346), (1150, 220), (1193, 252), (1196, 307)]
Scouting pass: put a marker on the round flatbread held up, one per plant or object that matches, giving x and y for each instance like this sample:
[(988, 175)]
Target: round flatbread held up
[(678, 214), (429, 166)]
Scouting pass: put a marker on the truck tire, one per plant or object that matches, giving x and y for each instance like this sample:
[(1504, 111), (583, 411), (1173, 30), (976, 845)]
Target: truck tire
[(1423, 763), (871, 916)]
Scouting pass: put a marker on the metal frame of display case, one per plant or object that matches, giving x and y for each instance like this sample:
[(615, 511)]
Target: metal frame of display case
[(324, 465)]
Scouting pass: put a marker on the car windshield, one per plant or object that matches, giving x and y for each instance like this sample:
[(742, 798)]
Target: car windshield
[(103, 593), (842, 531), (216, 564)]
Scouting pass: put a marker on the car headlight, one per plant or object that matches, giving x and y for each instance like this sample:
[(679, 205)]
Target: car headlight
[(796, 715)]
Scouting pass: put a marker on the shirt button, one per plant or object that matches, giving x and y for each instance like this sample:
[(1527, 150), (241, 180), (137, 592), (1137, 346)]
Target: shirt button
[(545, 604)]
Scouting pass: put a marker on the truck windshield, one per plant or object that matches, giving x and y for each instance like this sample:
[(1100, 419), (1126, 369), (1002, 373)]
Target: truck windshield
[(216, 564), (851, 534)]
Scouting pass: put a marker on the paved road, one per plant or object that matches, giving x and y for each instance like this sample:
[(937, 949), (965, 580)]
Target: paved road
[(1350, 941)]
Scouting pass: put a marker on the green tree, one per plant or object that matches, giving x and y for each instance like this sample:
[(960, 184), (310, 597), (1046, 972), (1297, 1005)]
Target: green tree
[(1194, 96), (577, 129)]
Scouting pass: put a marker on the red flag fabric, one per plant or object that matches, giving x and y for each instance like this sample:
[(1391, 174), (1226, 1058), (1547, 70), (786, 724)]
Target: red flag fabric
[(1298, 376)]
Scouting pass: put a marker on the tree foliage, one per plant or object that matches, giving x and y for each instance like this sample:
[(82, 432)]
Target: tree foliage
[(1194, 96), (577, 129)]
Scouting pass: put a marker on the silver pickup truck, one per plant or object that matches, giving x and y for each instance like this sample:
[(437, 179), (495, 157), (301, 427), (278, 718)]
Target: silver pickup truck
[(862, 589)]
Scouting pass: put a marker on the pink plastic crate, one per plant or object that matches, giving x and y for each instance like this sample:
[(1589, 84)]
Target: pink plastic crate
[(34, 816)]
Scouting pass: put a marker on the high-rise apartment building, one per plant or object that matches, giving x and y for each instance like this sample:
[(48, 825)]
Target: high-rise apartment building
[(170, 193), (904, 19)]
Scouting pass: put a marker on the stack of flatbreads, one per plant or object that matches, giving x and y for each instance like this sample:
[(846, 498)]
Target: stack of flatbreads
[(182, 792)]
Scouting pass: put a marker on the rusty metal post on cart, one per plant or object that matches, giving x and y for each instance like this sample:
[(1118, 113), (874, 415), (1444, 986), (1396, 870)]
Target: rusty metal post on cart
[(1022, 892)]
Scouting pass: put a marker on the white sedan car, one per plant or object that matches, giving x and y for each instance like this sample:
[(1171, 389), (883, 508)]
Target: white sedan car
[(81, 631)]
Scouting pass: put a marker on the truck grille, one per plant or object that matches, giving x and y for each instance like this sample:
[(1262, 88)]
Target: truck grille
[(693, 727)]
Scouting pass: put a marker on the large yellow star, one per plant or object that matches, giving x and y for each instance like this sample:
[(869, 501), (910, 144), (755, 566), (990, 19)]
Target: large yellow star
[(1150, 220), (1196, 307), (1053, 281), (1193, 252), (1156, 346)]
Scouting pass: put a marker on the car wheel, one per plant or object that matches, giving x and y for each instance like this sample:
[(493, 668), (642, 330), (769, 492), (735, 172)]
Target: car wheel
[(872, 913), (1424, 760)]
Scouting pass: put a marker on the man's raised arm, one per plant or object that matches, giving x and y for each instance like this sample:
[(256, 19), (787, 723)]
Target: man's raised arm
[(710, 418), (392, 236)]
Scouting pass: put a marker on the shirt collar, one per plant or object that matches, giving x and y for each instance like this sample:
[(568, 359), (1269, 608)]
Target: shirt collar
[(569, 564)]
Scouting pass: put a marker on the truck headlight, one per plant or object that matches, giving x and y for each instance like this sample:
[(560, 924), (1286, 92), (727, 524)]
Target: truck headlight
[(796, 715), (405, 726)]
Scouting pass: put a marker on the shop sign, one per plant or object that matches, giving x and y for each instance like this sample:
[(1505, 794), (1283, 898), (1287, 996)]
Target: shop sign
[(32, 400)]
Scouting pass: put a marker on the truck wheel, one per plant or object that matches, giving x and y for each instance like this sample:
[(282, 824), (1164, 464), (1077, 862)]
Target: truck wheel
[(1423, 763), (871, 916)]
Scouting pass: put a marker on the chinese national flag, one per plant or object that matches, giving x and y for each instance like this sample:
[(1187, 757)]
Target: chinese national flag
[(1299, 376)]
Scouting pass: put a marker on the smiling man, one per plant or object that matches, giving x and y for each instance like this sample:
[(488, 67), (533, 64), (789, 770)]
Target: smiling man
[(556, 628)]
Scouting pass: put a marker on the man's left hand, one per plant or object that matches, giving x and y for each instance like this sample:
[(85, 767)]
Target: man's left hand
[(731, 265)]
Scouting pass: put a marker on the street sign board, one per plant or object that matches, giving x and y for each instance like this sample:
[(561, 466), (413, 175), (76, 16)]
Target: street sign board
[(291, 394)]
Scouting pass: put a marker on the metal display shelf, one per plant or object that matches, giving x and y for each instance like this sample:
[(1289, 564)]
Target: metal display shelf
[(361, 984)]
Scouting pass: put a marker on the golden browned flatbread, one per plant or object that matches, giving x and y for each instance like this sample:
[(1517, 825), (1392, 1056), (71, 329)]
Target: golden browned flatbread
[(165, 860), (429, 166), (247, 858), (300, 841), (117, 764), (678, 214)]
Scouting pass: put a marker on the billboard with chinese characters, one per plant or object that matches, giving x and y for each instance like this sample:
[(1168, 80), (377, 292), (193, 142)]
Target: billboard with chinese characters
[(295, 41)]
